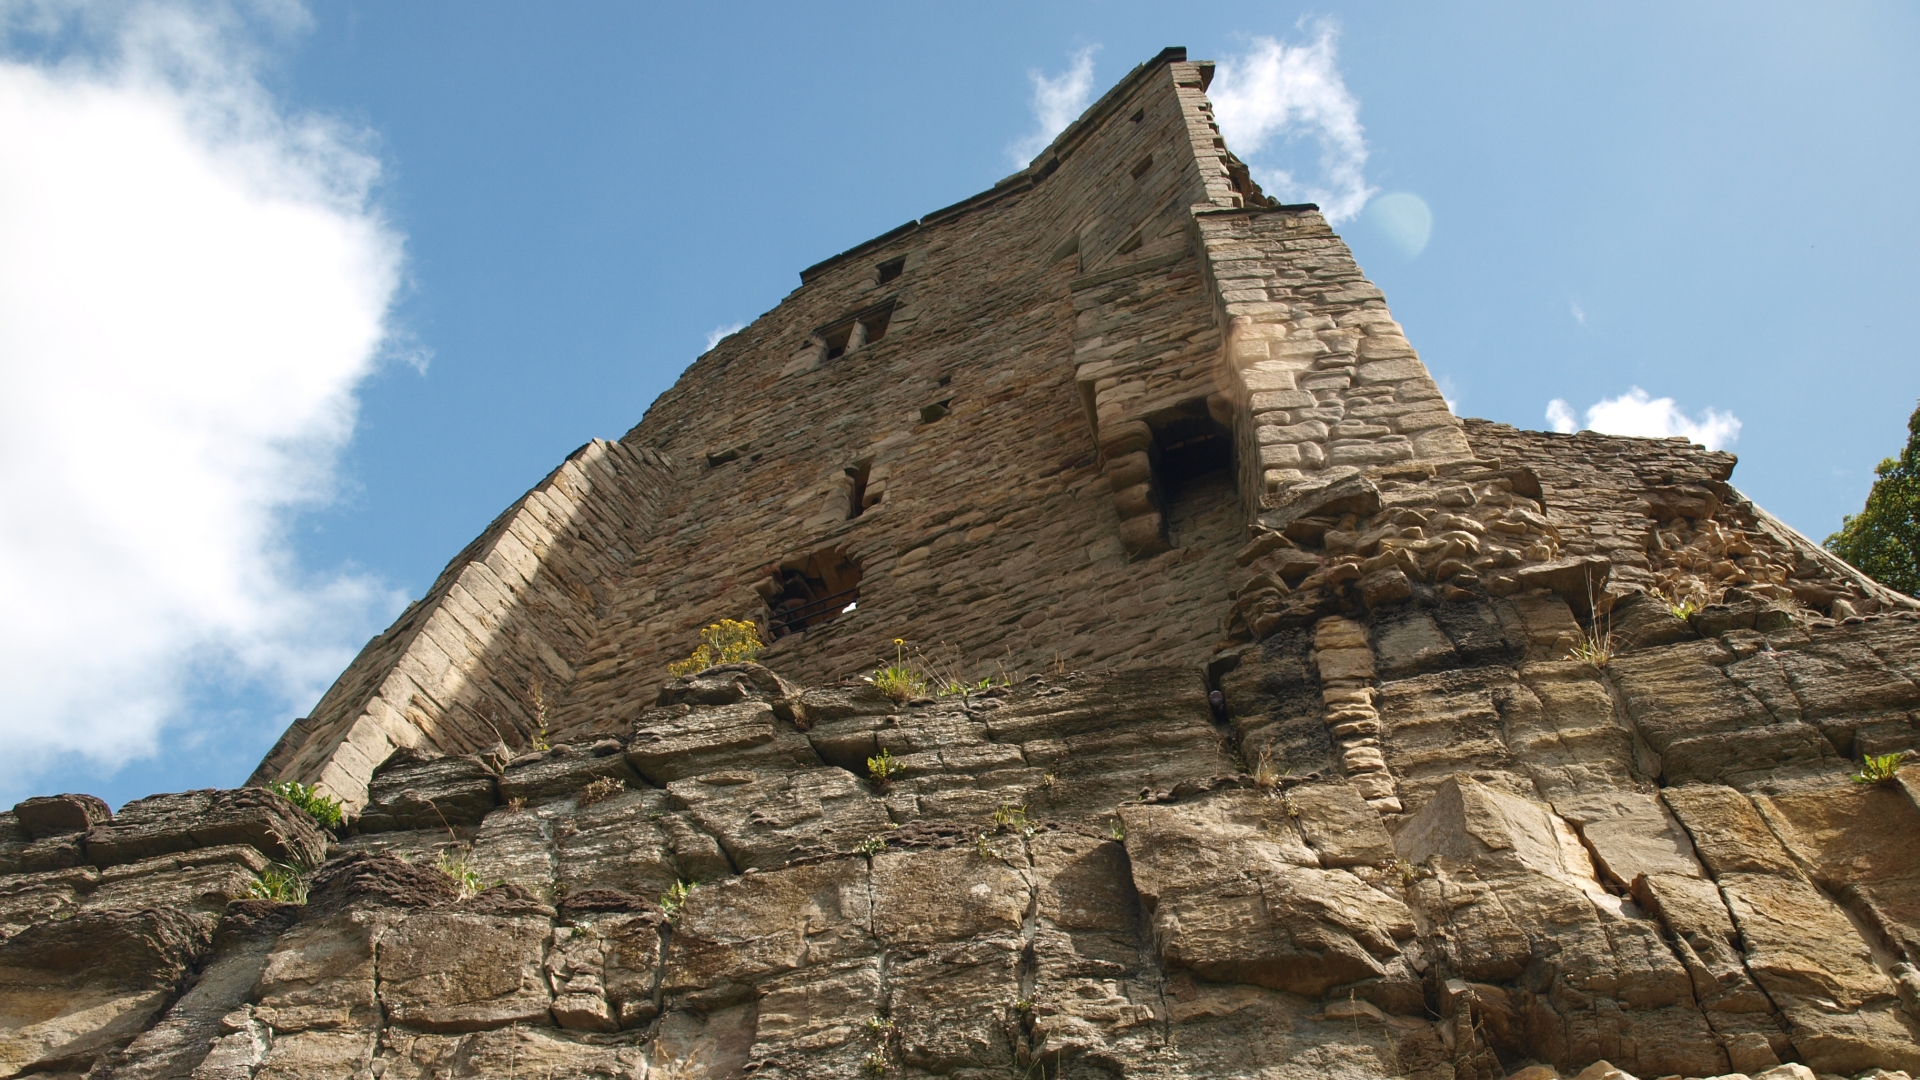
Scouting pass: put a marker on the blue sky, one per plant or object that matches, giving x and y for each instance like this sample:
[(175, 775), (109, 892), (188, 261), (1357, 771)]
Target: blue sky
[(512, 226)]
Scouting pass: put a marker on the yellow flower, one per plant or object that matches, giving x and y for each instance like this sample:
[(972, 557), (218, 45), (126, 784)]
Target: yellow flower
[(899, 641)]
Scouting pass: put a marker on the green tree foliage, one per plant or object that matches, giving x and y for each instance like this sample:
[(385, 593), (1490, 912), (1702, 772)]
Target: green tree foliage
[(1883, 539)]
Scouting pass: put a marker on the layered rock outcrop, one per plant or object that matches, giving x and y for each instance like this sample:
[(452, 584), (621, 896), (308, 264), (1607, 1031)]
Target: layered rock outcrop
[(1321, 733)]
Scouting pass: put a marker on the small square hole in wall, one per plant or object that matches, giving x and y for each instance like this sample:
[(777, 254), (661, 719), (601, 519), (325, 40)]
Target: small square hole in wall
[(1139, 115), (717, 458), (930, 413), (891, 269), (1140, 170)]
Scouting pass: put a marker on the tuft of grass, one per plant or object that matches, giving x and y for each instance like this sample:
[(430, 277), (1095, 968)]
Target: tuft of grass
[(321, 808), (874, 1064), (601, 790), (872, 845), (729, 641), (1879, 768), (279, 882), (1117, 829), (464, 877), (1596, 646), (675, 898)]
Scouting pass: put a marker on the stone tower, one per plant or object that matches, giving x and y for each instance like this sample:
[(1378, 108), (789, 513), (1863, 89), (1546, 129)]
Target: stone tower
[(1324, 733)]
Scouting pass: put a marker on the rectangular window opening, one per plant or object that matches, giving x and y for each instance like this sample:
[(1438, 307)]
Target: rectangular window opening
[(848, 335), (1193, 470), (891, 269), (1139, 115), (1140, 170)]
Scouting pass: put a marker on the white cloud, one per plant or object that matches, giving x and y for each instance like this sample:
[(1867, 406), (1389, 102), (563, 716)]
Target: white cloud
[(1635, 413), (193, 283), (717, 333), (1579, 313), (1279, 95), (1057, 102)]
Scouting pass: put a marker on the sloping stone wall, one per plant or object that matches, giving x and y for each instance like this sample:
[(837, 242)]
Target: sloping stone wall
[(476, 661)]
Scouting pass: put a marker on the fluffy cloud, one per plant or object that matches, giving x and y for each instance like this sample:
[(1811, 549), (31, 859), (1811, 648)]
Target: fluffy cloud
[(1635, 413), (193, 283), (1057, 101), (1279, 96)]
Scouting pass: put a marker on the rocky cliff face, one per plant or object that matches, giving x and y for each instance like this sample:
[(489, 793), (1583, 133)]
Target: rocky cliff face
[(1407, 838), (1335, 735)]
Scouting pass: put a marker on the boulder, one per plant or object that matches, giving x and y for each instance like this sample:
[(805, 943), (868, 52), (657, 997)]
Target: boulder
[(164, 824)]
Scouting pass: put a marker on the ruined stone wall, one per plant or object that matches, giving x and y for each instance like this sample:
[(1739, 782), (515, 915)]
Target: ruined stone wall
[(473, 663), (1343, 737)]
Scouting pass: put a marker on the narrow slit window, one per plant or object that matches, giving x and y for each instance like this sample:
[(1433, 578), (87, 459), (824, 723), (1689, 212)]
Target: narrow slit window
[(857, 495)]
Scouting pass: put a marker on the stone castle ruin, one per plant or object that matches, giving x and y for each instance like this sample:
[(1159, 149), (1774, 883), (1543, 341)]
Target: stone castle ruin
[(1298, 727)]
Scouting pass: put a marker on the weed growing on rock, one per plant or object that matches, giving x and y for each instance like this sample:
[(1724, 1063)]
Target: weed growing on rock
[(671, 1069), (319, 807), (729, 641), (872, 845), (1117, 829), (279, 882), (1879, 768), (516, 804), (1266, 775), (899, 680), (874, 1064), (600, 790), (1014, 819), (1405, 871), (984, 849), (675, 898), (537, 697), (464, 877), (882, 768)]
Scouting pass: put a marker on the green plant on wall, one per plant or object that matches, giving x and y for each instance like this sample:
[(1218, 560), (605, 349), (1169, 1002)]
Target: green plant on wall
[(321, 808), (899, 680), (729, 641)]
